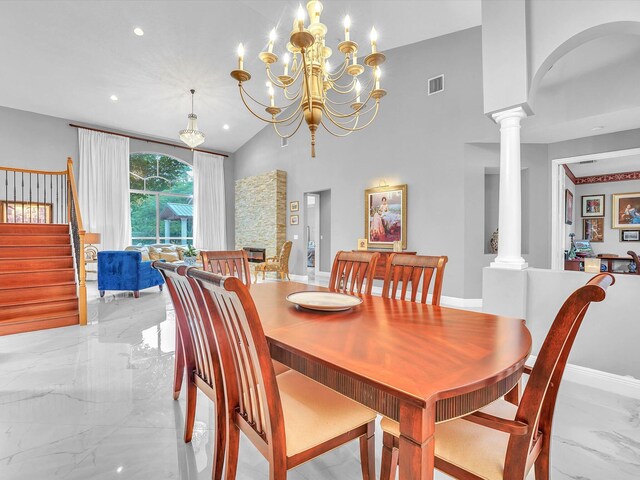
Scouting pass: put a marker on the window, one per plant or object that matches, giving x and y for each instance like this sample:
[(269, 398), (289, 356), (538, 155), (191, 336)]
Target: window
[(161, 194)]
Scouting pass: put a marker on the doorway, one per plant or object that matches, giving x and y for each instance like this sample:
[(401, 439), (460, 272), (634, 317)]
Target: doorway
[(317, 225)]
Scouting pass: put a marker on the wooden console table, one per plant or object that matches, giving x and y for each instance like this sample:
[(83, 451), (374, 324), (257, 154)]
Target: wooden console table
[(609, 260), (381, 267)]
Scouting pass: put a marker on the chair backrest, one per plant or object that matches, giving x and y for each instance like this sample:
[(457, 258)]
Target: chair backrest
[(538, 401), (411, 271), (233, 263), (353, 271), (250, 381), (194, 324), (634, 255), (285, 253)]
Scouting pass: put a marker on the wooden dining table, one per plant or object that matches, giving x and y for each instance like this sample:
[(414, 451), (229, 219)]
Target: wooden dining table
[(417, 364)]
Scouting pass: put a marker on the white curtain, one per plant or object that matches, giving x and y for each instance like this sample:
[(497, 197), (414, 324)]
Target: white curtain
[(103, 187), (209, 216)]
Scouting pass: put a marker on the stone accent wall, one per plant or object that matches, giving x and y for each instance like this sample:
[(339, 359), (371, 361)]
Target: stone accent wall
[(261, 211)]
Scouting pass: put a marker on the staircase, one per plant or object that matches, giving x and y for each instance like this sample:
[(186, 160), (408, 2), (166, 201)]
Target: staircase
[(37, 278)]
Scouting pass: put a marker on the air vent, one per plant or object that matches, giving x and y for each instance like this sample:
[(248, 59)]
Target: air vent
[(586, 162), (284, 142), (436, 84)]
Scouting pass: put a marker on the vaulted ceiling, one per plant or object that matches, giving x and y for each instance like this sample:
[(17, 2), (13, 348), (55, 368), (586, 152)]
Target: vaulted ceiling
[(66, 58)]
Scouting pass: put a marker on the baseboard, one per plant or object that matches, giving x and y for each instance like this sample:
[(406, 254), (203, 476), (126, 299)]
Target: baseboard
[(299, 278), (323, 274), (610, 382)]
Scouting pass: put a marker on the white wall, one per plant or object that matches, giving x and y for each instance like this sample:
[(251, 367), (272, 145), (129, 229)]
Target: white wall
[(612, 243)]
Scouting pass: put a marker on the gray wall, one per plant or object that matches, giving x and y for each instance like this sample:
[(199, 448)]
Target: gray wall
[(416, 139), (326, 258), (41, 142)]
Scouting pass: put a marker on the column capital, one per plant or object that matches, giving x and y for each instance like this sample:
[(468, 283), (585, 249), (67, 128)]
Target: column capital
[(517, 113)]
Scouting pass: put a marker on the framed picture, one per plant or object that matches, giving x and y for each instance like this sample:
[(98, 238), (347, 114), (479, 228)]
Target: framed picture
[(568, 207), (593, 205), (26, 212), (294, 219), (362, 244), (294, 206), (385, 216), (593, 229), (626, 210), (630, 235)]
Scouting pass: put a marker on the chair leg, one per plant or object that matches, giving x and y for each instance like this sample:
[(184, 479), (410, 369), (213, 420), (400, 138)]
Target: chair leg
[(101, 293), (178, 370), (233, 445), (542, 462), (136, 294), (221, 441), (160, 287), (389, 463), (190, 417), (368, 452), (263, 272)]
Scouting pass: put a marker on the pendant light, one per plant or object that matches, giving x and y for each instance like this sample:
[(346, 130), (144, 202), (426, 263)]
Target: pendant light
[(191, 135)]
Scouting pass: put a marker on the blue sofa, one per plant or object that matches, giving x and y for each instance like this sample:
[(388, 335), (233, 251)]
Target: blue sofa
[(125, 270)]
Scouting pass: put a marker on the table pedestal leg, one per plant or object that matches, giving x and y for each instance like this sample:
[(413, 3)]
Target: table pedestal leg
[(416, 449)]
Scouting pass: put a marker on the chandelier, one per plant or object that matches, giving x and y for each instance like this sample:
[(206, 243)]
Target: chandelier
[(191, 135), (312, 91)]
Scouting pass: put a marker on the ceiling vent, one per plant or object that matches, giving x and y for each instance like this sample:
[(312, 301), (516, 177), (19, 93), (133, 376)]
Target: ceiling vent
[(436, 84), (284, 142), (586, 162)]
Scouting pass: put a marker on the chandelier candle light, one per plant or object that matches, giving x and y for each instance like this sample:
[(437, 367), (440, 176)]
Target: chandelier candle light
[(191, 135), (311, 90)]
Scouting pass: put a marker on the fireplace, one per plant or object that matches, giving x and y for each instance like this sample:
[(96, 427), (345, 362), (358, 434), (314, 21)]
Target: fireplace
[(256, 255)]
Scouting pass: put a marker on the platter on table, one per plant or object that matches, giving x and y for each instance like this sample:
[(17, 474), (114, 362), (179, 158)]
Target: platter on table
[(324, 301)]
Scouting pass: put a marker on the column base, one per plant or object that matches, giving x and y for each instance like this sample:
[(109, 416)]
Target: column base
[(510, 263)]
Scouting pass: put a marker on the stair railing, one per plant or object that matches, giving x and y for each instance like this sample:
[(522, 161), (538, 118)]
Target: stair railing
[(39, 196), (77, 234)]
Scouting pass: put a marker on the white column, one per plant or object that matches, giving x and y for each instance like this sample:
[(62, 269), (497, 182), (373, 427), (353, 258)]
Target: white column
[(510, 208), (167, 230)]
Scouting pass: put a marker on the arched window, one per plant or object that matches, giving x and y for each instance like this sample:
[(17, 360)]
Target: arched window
[(161, 193)]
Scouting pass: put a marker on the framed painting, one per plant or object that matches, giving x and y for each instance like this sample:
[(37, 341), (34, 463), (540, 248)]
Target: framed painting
[(385, 216), (593, 229), (630, 235), (26, 212), (294, 220), (294, 206), (593, 205), (626, 210), (568, 207)]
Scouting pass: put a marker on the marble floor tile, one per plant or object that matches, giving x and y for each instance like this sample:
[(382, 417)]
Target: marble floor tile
[(95, 402)]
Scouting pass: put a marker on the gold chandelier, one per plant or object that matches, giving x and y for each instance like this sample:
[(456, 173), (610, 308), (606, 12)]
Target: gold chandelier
[(314, 93)]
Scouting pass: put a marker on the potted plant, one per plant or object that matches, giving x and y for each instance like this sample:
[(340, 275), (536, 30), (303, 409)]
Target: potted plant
[(190, 255)]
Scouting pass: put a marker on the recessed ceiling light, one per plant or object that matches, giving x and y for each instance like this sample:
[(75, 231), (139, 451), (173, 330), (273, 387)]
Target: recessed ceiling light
[(138, 31), (599, 127), (113, 98), (225, 126)]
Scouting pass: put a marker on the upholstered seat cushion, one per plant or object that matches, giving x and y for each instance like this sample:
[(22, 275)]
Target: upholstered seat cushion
[(314, 414), (472, 447)]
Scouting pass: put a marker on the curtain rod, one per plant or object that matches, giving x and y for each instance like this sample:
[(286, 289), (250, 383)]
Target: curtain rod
[(159, 142)]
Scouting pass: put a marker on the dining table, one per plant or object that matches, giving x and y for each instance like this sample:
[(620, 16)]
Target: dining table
[(414, 363)]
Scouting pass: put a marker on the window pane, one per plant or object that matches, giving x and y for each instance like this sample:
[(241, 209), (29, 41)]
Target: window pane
[(179, 174), (143, 165), (136, 183), (143, 215), (176, 219)]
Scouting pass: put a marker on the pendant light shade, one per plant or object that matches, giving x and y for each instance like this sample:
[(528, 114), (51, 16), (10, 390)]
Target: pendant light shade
[(191, 135)]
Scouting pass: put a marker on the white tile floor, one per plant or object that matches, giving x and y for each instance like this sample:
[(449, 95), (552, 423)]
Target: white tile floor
[(95, 403)]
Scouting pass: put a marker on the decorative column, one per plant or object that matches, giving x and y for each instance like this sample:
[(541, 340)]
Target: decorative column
[(510, 208)]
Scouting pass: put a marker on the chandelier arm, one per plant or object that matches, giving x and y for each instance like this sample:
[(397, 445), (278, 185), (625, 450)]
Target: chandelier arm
[(337, 75), (348, 102), (264, 105), (343, 89), (334, 133), (297, 94), (266, 119), (337, 114), (276, 81), (356, 128), (275, 127)]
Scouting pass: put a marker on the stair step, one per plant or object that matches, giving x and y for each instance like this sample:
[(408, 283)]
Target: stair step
[(34, 251), (63, 320), (41, 228), (33, 239), (43, 309), (23, 296), (37, 279), (31, 264)]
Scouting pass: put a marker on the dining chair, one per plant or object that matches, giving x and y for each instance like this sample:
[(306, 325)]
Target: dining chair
[(278, 264), (409, 271), (234, 263), (290, 419), (634, 255), (502, 440), (353, 271), (199, 356)]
